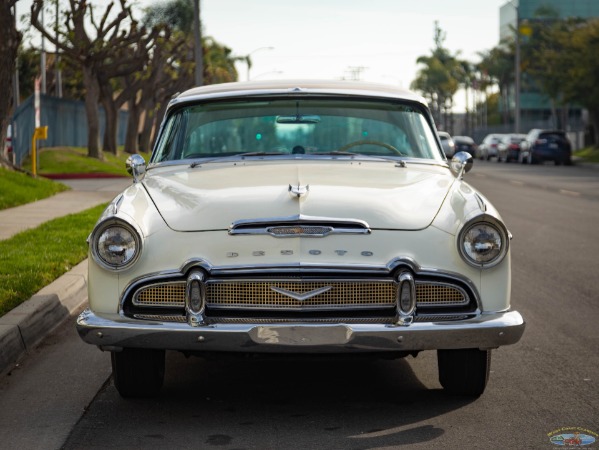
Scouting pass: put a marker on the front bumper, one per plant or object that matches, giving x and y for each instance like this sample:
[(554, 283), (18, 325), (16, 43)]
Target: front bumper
[(486, 331)]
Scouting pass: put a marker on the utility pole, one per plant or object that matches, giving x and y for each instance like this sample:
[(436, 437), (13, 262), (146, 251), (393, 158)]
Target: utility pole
[(517, 74), (16, 93), (58, 73), (355, 72), (197, 37), (43, 58)]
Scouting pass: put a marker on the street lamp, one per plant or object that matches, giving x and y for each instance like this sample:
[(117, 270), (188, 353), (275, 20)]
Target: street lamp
[(249, 61)]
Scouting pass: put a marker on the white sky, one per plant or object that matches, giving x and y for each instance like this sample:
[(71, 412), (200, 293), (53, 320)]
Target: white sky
[(325, 38)]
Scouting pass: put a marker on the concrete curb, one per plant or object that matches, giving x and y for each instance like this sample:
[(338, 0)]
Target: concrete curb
[(25, 326)]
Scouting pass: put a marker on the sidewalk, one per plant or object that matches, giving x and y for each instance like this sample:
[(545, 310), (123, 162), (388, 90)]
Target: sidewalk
[(26, 325)]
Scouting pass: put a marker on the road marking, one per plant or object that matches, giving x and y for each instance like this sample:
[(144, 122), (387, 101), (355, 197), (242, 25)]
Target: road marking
[(517, 183), (570, 193)]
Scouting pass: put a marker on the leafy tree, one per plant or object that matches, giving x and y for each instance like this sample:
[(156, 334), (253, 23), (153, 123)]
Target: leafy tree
[(172, 64), (497, 66), (113, 34), (438, 79), (580, 68)]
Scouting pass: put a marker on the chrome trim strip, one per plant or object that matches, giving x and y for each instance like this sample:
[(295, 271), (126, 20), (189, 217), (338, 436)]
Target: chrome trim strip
[(333, 225), (486, 331)]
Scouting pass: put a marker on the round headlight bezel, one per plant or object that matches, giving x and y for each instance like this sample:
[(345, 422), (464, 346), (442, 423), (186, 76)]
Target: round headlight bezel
[(104, 227), (496, 226)]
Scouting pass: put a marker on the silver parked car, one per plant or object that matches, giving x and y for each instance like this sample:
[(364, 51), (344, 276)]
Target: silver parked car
[(509, 147), (447, 143), (299, 217), (489, 146)]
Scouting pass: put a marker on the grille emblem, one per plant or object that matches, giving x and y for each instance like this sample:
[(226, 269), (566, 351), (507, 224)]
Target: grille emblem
[(299, 296)]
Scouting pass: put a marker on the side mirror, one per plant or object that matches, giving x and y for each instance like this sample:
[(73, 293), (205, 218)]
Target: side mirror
[(136, 166), (461, 163)]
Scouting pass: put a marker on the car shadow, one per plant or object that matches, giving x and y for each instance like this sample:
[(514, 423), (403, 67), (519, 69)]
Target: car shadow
[(273, 403)]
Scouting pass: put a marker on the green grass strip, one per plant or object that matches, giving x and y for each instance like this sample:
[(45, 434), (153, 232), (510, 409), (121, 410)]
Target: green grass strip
[(17, 188), (588, 154), (74, 160), (34, 258)]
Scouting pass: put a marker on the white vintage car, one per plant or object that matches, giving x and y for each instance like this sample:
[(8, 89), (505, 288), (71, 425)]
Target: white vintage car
[(299, 217)]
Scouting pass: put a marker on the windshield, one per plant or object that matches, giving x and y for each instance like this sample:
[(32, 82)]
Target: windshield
[(296, 127)]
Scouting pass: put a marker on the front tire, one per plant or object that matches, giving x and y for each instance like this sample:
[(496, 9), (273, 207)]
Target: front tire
[(464, 371), (138, 372)]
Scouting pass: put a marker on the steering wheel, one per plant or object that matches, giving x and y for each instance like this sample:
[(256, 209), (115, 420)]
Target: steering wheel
[(379, 143)]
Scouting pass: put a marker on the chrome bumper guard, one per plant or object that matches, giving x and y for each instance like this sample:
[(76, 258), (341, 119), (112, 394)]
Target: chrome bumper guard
[(486, 331)]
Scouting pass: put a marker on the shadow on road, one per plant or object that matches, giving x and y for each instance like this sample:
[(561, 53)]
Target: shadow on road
[(271, 404)]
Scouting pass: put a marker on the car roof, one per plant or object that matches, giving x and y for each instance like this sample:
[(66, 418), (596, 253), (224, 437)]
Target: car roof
[(281, 87)]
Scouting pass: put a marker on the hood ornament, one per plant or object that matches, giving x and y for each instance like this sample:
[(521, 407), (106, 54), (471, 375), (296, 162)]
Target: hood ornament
[(298, 191)]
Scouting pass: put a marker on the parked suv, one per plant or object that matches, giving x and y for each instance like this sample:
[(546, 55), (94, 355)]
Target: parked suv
[(546, 145)]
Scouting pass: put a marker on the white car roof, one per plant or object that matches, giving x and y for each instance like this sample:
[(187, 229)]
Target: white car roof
[(334, 87)]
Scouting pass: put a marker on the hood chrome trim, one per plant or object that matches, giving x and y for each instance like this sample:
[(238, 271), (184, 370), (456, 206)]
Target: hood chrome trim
[(299, 226)]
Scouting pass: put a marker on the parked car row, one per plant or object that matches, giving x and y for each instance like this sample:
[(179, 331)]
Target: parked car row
[(535, 147)]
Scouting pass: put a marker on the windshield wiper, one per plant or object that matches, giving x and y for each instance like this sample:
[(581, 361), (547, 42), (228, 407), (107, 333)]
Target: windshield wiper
[(338, 153), (229, 157), (361, 155), (259, 154)]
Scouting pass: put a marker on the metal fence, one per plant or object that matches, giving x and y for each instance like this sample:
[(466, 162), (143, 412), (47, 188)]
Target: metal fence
[(66, 121)]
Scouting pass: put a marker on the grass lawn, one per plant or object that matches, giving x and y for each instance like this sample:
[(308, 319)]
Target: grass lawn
[(17, 188), (34, 258), (74, 160), (588, 154)]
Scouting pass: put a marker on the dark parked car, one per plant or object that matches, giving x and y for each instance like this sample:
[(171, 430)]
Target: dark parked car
[(465, 144), (546, 145), (508, 148)]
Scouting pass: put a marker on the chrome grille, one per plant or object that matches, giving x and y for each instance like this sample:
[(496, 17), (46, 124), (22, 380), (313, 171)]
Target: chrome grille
[(260, 294), (257, 294), (437, 294), (163, 294)]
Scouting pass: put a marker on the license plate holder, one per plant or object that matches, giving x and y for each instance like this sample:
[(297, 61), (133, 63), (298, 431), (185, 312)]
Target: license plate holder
[(301, 335)]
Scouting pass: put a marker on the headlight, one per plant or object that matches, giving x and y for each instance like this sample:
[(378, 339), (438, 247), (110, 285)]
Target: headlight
[(115, 244), (483, 242)]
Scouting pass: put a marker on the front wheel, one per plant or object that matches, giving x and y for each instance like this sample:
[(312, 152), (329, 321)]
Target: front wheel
[(464, 371), (138, 372)]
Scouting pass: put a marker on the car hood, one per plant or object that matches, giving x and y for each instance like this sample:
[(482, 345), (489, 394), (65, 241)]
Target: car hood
[(383, 194)]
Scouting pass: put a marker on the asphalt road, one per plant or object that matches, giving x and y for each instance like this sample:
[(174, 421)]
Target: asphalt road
[(62, 395)]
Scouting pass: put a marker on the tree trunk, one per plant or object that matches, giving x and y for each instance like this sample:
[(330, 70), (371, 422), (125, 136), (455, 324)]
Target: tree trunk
[(9, 44), (594, 125), (146, 133), (92, 95), (111, 115), (158, 117), (131, 140)]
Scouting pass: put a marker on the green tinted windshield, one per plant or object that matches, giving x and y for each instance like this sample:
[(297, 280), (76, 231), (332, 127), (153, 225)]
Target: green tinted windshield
[(296, 127)]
